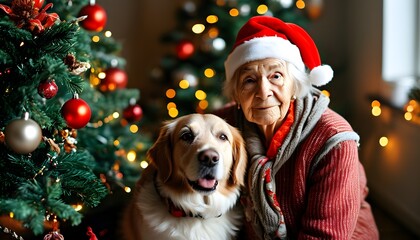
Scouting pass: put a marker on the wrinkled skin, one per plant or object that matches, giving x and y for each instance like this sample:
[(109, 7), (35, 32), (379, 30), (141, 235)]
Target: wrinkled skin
[(265, 92)]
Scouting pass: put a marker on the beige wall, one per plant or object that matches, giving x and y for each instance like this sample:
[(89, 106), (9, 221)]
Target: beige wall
[(349, 36), (393, 170), (138, 25)]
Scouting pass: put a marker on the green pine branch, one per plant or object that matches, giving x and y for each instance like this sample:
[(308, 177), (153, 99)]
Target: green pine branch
[(33, 202), (77, 178)]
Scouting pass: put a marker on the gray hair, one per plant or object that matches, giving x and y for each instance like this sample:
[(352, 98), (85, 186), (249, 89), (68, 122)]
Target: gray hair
[(300, 79)]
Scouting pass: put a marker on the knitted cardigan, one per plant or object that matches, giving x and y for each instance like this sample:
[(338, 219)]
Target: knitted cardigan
[(320, 191)]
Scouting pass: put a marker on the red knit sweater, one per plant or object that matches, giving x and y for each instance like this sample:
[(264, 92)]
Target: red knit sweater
[(330, 203)]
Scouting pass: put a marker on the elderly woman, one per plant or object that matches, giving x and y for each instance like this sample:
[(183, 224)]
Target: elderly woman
[(305, 180)]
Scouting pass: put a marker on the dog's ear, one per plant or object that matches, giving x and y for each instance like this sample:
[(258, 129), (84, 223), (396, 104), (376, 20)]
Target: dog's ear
[(240, 158), (160, 153)]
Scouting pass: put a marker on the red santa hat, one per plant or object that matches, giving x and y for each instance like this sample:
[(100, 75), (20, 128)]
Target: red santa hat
[(268, 37)]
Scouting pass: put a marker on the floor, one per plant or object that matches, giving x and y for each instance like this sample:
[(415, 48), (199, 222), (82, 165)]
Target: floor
[(390, 228)]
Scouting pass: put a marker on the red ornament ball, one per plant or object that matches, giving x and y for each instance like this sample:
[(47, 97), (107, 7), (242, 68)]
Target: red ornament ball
[(114, 78), (185, 49), (54, 235), (133, 113), (96, 17), (76, 112), (47, 89)]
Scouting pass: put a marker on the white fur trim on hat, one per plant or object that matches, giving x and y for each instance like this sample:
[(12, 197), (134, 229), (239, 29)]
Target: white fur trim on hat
[(261, 48), (321, 75)]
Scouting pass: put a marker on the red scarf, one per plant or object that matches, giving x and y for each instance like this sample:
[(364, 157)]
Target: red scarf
[(282, 132)]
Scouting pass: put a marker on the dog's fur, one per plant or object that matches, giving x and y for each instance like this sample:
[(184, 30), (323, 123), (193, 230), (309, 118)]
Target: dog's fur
[(197, 164)]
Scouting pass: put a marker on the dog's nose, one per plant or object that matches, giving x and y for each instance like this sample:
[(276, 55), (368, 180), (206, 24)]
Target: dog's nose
[(208, 157)]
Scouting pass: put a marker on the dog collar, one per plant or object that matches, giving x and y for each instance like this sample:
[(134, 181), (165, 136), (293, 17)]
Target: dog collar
[(179, 212)]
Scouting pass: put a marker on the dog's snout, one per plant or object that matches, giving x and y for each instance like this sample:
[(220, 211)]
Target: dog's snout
[(208, 157)]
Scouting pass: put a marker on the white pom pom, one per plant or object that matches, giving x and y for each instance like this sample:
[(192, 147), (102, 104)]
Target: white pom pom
[(321, 75)]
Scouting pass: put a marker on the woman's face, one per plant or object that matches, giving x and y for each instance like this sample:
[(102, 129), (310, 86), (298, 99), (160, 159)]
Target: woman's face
[(264, 91)]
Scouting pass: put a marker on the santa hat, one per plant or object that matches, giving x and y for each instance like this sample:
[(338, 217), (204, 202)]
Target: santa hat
[(268, 37)]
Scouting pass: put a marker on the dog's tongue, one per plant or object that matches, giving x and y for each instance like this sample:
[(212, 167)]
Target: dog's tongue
[(206, 183)]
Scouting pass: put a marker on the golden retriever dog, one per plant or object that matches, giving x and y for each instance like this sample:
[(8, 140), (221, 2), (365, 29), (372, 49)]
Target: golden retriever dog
[(192, 185)]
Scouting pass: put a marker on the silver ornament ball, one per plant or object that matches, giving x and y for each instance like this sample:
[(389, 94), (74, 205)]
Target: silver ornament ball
[(23, 135)]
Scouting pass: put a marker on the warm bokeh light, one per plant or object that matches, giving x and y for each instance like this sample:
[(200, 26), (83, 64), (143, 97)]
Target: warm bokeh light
[(101, 75), (212, 19), (376, 111), (96, 39), (412, 113), (11, 214), (198, 28), (116, 115), (144, 164), (108, 33), (326, 93), (131, 156), (108, 119), (116, 166), (95, 81), (410, 108), (375, 103), (300, 4), (234, 12), (203, 104), (262, 9), (220, 2), (134, 128), (213, 32), (112, 87), (184, 84), (412, 102), (408, 116), (116, 142), (383, 141), (209, 73), (127, 189), (77, 207), (170, 93), (170, 105), (200, 95), (173, 112), (140, 145)]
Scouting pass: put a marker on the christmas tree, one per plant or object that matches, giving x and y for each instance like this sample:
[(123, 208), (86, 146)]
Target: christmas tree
[(202, 40), (69, 129)]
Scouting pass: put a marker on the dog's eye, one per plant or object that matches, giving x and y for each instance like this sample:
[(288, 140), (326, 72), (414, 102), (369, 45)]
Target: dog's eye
[(223, 137), (187, 136)]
